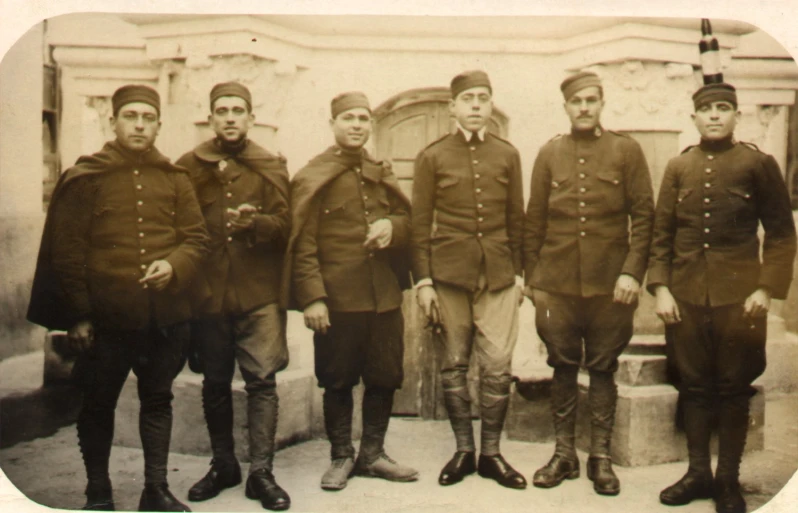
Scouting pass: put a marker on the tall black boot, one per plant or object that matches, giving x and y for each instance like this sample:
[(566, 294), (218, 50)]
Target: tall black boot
[(697, 482), (602, 397), (95, 437), (225, 472), (733, 418), (564, 464), (372, 460)]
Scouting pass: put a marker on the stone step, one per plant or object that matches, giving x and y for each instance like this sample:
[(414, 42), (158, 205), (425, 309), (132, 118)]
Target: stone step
[(642, 370), (300, 413), (646, 344), (645, 431)]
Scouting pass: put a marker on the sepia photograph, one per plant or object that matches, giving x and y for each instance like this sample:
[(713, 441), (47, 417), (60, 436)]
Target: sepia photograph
[(470, 257)]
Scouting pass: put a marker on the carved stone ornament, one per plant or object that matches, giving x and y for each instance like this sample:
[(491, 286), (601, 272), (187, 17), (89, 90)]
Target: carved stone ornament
[(269, 82), (644, 95)]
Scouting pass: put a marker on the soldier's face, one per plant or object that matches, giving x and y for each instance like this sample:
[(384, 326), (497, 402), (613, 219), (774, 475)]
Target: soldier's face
[(716, 120), (136, 126), (352, 128), (472, 108), (230, 118), (584, 108)]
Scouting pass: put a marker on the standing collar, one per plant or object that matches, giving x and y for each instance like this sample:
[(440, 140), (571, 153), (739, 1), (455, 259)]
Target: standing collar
[(467, 133), (717, 146)]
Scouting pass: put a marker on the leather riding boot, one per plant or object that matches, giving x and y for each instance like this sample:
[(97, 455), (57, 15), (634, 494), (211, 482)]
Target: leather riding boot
[(494, 399), (338, 408), (564, 464), (222, 475), (99, 496), (733, 418), (217, 405), (458, 405), (697, 482), (602, 397), (262, 411)]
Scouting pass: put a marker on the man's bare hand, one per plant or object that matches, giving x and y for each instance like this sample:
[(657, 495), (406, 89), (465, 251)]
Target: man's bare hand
[(317, 317), (666, 307), (240, 218), (379, 235), (428, 301), (158, 275), (627, 289), (81, 336), (757, 304)]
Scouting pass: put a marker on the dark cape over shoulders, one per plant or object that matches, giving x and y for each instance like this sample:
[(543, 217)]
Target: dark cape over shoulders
[(270, 166), (47, 297), (305, 188)]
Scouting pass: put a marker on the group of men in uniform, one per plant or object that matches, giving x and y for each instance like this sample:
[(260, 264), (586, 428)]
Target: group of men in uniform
[(139, 255)]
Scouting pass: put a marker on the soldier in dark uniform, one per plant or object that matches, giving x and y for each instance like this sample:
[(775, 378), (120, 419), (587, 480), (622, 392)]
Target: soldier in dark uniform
[(350, 227), (713, 291), (586, 241), (468, 210), (124, 238), (243, 192)]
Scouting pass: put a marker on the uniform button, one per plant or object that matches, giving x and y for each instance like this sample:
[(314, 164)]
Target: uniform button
[(706, 230), (747, 196), (706, 245), (707, 214), (582, 176), (357, 169), (476, 176), (478, 190), (475, 161), (143, 251), (229, 195), (326, 210), (366, 212), (581, 161), (480, 219), (708, 170), (371, 255), (583, 219), (229, 239), (479, 235), (707, 200), (141, 235), (472, 148), (139, 203), (582, 234), (365, 198), (140, 219), (707, 185), (479, 205), (145, 286), (582, 189), (711, 157), (136, 172), (143, 267), (581, 203), (362, 183), (229, 225), (138, 187)]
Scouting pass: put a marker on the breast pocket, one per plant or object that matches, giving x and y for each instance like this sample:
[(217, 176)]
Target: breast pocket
[(740, 198)]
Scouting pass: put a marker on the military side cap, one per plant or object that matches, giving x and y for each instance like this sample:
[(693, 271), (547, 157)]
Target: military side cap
[(231, 89), (577, 82), (469, 79), (720, 92), (346, 101), (134, 94)]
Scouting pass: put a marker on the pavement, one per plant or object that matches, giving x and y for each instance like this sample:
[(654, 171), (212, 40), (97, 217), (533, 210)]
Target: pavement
[(49, 471)]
